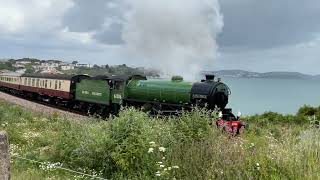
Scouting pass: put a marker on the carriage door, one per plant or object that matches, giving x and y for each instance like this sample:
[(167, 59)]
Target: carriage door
[(117, 91)]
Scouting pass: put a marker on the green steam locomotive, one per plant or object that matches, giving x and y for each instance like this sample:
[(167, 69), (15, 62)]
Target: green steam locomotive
[(107, 94)]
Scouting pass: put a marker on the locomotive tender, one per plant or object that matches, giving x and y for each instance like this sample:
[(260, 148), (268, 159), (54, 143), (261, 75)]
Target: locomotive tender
[(106, 94)]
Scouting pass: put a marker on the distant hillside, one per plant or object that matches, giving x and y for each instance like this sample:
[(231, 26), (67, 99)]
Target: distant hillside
[(267, 75)]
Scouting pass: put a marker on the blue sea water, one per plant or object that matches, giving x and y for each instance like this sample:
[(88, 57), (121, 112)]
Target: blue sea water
[(256, 96)]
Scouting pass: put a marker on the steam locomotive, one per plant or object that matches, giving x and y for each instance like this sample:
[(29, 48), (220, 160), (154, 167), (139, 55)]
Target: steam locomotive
[(106, 94)]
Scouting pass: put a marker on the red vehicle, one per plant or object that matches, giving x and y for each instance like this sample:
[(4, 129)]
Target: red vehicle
[(230, 123)]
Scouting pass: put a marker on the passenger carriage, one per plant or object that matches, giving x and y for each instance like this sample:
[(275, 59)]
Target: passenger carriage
[(10, 80)]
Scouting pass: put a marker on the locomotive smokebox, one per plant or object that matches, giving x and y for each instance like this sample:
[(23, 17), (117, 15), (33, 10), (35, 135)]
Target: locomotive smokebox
[(210, 77)]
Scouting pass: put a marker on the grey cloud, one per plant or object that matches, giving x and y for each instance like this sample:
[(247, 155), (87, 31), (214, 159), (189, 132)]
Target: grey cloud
[(272, 23), (101, 17), (112, 35), (85, 15)]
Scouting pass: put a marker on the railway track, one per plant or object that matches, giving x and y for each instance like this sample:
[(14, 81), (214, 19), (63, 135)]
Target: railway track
[(41, 107)]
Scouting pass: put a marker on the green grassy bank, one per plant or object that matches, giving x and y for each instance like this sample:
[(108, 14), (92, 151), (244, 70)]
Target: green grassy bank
[(136, 146)]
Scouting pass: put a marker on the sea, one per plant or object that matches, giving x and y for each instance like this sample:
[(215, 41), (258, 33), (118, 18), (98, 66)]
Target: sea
[(257, 95)]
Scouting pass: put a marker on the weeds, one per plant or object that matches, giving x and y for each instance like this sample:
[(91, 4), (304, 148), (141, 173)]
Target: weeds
[(134, 145)]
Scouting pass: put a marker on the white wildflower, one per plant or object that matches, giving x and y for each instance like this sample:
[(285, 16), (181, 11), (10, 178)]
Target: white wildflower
[(159, 162), (175, 167), (158, 173), (163, 158), (161, 165), (152, 143), (162, 149), (165, 169), (169, 168), (150, 150), (258, 166)]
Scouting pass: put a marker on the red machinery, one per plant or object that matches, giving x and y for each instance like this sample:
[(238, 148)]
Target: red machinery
[(230, 123)]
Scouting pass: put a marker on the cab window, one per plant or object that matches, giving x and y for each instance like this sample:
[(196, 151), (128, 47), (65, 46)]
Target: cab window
[(118, 85)]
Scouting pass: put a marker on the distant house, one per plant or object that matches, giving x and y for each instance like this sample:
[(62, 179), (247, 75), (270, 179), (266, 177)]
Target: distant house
[(18, 65), (23, 62), (84, 65), (51, 71), (49, 64), (66, 67)]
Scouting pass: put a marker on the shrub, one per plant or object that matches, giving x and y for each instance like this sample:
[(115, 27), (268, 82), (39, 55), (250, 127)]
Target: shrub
[(307, 111)]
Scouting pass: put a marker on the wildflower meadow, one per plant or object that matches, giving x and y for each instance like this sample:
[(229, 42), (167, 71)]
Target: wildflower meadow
[(134, 145)]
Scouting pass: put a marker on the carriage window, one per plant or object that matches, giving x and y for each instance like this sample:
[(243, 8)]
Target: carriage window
[(33, 81), (56, 84), (25, 81), (38, 82), (60, 84), (50, 84), (46, 83)]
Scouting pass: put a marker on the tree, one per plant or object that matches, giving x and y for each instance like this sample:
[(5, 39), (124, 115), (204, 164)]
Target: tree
[(75, 62), (30, 70)]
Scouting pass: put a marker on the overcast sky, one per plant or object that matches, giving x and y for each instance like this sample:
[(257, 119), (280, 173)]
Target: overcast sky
[(257, 35)]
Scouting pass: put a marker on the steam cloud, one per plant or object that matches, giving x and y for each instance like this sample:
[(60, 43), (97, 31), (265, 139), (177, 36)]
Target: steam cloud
[(179, 37)]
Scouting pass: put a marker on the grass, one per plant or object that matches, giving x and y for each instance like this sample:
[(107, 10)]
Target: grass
[(136, 146)]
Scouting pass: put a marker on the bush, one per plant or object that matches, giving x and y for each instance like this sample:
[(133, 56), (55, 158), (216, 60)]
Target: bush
[(308, 111)]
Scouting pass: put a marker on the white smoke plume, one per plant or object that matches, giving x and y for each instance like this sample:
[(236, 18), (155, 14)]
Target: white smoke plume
[(176, 36)]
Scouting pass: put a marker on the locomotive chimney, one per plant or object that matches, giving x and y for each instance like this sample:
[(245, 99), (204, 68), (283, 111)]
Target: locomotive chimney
[(210, 77)]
